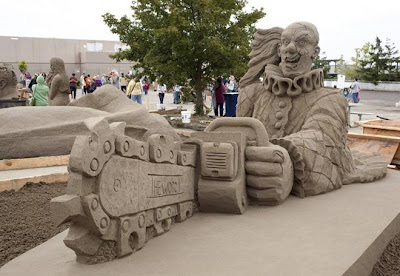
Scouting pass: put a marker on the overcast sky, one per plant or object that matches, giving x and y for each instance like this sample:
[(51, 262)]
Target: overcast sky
[(343, 24)]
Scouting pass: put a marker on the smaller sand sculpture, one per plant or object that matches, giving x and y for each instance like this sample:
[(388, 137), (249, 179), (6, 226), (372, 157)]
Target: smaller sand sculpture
[(8, 82), (58, 82), (55, 132)]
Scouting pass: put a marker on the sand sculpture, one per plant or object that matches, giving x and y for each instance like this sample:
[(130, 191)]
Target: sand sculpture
[(303, 118), (58, 82), (8, 82), (23, 135), (124, 189)]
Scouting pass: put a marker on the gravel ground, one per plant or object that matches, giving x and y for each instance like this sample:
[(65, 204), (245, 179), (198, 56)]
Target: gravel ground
[(26, 222), (25, 218), (389, 264)]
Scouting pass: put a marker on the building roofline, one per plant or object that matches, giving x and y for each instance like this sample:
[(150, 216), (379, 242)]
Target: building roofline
[(94, 40)]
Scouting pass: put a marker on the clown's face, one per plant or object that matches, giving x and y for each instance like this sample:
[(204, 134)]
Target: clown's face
[(297, 50)]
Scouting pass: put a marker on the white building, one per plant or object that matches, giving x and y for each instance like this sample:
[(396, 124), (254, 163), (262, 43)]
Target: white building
[(80, 56)]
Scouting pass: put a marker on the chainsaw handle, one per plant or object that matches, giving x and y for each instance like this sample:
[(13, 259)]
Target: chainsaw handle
[(251, 127)]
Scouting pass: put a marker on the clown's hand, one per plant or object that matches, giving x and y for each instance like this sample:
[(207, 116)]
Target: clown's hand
[(269, 174)]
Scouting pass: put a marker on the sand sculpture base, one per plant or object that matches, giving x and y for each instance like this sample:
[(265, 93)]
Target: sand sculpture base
[(342, 232), (13, 103)]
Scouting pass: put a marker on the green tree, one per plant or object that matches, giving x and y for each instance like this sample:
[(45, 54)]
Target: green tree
[(396, 61), (320, 62), (344, 68), (350, 69), (181, 40), (347, 69), (340, 66), (377, 62), (22, 66), (392, 61)]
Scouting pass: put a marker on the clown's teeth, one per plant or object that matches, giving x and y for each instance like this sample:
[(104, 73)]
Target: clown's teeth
[(294, 59)]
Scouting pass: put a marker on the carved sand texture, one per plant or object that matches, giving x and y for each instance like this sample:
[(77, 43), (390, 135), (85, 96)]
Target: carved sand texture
[(300, 115), (123, 191), (58, 82), (8, 82), (127, 185), (23, 135)]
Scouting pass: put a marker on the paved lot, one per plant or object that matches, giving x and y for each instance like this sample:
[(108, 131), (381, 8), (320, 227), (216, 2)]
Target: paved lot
[(26, 173), (380, 103), (151, 100)]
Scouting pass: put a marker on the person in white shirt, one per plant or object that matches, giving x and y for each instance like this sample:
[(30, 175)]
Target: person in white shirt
[(232, 85), (161, 89), (177, 92), (355, 87), (82, 81)]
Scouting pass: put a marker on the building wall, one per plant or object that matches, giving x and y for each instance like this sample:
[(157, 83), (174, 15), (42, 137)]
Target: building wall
[(368, 86), (88, 56)]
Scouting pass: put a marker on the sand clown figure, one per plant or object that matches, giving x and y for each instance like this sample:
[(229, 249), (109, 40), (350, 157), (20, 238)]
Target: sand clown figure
[(305, 120)]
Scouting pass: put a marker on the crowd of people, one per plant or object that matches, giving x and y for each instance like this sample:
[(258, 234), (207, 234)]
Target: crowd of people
[(133, 87), (36, 87), (88, 84)]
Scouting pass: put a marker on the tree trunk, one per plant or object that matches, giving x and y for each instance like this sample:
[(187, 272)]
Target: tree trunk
[(199, 102), (198, 87)]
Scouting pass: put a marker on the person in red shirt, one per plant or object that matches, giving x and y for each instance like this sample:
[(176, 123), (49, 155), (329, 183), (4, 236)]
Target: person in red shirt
[(219, 95), (73, 81)]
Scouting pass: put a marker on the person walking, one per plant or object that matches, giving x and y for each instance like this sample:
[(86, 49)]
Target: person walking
[(104, 79), (83, 83), (232, 84), (145, 86), (28, 78), (32, 82), (73, 81), (135, 90), (122, 82), (177, 93), (161, 89), (88, 83), (40, 93), (155, 84), (213, 97), (219, 98), (93, 85), (22, 79), (355, 87), (98, 81), (115, 79)]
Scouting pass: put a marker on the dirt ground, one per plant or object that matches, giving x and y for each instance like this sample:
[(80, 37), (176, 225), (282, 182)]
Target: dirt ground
[(25, 218), (25, 222), (389, 264)]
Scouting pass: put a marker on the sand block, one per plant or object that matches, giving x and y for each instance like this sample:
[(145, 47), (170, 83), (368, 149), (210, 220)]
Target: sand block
[(35, 162), (342, 232), (16, 179)]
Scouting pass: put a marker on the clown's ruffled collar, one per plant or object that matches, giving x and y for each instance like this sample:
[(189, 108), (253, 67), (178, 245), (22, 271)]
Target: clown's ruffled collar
[(275, 82)]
